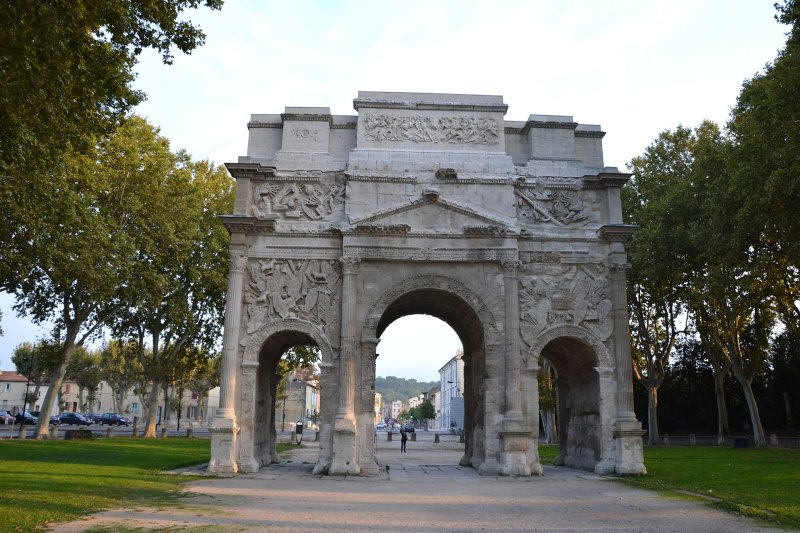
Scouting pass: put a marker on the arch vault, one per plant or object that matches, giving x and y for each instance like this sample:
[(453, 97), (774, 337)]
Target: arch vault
[(511, 232)]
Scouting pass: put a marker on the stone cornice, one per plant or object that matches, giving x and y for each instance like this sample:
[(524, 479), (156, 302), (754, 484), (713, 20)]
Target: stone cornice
[(257, 124), (345, 126), (379, 229), (311, 117), (616, 232), (363, 103), (248, 225), (537, 124), (250, 170), (589, 133), (604, 180)]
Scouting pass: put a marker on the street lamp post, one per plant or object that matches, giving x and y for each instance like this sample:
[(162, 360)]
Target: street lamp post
[(283, 415)]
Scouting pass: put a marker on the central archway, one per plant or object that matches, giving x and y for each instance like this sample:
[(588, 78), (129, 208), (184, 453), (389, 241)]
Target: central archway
[(468, 315)]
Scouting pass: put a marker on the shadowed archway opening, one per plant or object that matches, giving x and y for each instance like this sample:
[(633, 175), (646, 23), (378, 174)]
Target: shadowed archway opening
[(577, 387), (267, 401), (464, 321)]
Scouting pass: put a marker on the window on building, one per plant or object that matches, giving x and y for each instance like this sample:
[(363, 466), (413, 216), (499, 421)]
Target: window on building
[(191, 411), (194, 395), (66, 388), (134, 408), (6, 387)]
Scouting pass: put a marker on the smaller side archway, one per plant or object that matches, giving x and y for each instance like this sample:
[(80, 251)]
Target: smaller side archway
[(583, 385), (259, 385)]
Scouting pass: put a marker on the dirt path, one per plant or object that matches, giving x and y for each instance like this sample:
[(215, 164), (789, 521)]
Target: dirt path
[(423, 491)]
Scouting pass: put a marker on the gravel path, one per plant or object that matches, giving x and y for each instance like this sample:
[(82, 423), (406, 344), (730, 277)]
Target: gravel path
[(423, 490)]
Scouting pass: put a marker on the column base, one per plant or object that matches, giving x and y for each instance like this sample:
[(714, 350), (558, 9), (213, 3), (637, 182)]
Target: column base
[(344, 461), (629, 452), (224, 433), (514, 455)]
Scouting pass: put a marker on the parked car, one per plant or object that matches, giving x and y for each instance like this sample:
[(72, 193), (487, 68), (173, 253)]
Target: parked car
[(113, 419), (6, 417), (74, 419), (93, 417), (409, 428), (380, 426), (27, 419)]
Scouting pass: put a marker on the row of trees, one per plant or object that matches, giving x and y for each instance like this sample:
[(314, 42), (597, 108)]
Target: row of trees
[(118, 364), (716, 259), (102, 226)]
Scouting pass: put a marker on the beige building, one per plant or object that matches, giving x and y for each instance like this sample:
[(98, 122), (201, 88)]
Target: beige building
[(12, 394)]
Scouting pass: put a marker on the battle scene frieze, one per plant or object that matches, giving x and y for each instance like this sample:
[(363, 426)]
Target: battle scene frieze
[(565, 294), (297, 201), (425, 128), (282, 289)]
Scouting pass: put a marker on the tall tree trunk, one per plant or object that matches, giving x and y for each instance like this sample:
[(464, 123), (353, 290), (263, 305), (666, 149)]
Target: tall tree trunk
[(722, 407), (737, 367), (43, 425), (80, 399), (167, 408), (152, 408), (652, 414), (789, 417)]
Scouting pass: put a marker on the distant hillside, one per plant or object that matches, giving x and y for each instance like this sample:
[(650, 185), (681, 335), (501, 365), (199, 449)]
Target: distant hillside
[(393, 388)]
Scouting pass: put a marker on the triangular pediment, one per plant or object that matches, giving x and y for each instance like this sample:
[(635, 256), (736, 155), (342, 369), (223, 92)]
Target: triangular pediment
[(430, 212)]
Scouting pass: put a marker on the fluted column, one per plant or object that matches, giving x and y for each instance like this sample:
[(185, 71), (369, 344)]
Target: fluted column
[(622, 347), (347, 355), (345, 460), (513, 361), (230, 337)]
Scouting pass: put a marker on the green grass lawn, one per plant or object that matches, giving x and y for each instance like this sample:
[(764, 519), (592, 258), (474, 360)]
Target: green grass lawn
[(762, 483), (56, 481)]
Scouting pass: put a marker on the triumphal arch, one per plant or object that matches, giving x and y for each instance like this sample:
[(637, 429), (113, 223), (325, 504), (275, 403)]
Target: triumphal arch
[(509, 231)]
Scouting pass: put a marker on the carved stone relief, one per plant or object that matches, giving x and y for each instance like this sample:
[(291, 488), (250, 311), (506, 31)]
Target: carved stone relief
[(423, 128), (575, 295), (564, 207), (304, 289), (299, 201)]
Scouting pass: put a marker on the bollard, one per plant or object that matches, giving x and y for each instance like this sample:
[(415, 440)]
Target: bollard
[(164, 432), (461, 438), (692, 439), (414, 437), (316, 436), (23, 432), (109, 432), (666, 439), (189, 433), (135, 432), (54, 432), (389, 436), (773, 441), (436, 438)]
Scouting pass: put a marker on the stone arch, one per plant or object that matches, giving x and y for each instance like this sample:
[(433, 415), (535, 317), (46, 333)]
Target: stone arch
[(262, 352), (583, 371), (472, 315)]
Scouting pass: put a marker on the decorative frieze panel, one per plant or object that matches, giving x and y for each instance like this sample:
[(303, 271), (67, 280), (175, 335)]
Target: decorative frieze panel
[(297, 201), (303, 289), (425, 128), (578, 295), (561, 207)]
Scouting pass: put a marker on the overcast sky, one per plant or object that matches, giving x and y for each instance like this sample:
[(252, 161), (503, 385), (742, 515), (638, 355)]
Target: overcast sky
[(636, 68)]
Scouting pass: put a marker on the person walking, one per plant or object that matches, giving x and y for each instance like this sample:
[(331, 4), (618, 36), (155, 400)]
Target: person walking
[(403, 440)]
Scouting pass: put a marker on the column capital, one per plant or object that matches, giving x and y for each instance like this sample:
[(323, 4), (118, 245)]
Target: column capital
[(237, 262), (619, 267), (349, 263), (511, 267)]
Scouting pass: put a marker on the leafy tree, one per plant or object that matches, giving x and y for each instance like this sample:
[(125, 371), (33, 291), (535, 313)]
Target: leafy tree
[(66, 73), (785, 362), (654, 303), (76, 273), (204, 377), (36, 361), (121, 369), (84, 369), (765, 180)]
